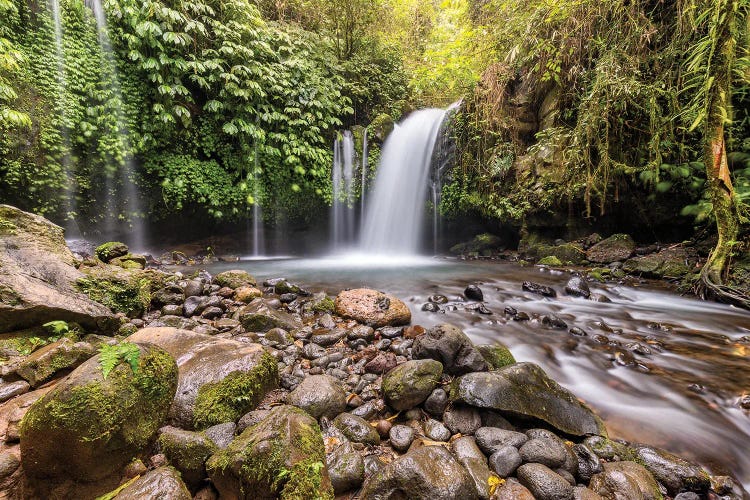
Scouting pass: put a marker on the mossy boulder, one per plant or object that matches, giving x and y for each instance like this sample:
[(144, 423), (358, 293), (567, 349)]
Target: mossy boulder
[(484, 242), (65, 354), (187, 451), (130, 261), (617, 247), (551, 261), (122, 291), (372, 308), (111, 250), (219, 379), (566, 253), (410, 383), (670, 262), (257, 316), (89, 427), (524, 389), (37, 277), (234, 279), (282, 456), (496, 355), (163, 483)]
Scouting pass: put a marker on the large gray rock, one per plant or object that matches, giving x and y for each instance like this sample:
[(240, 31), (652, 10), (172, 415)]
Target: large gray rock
[(37, 277), (163, 483), (346, 468), (356, 429), (449, 345), (675, 473), (617, 247), (320, 396), (544, 483), (426, 473), (410, 383), (257, 316), (625, 481), (219, 379), (187, 451), (88, 426), (282, 456), (372, 308), (524, 389)]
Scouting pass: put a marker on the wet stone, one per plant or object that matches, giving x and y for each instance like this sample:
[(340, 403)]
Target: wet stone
[(578, 332), (491, 439), (466, 447), (552, 321), (588, 463), (544, 451), (473, 292), (10, 390), (544, 483), (390, 332), (356, 429), (401, 437), (505, 461), (462, 420), (361, 332), (438, 299), (578, 287), (436, 430), (436, 402), (430, 307), (536, 288), (346, 468)]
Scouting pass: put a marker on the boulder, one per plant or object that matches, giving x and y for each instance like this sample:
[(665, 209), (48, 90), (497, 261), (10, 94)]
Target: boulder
[(356, 429), (617, 247), (187, 451), (566, 253), (50, 359), (37, 277), (282, 456), (671, 262), (496, 355), (89, 426), (320, 396), (219, 379), (577, 287), (163, 483), (257, 316), (346, 468), (426, 473), (234, 279), (372, 308), (410, 383), (480, 244), (449, 345), (676, 473), (111, 250), (524, 389), (625, 480)]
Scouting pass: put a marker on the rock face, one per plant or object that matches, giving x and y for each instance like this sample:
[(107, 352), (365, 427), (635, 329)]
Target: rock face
[(410, 383), (219, 379), (617, 247), (319, 396), (427, 473), (163, 483), (282, 456), (371, 307), (525, 389), (37, 277), (481, 243), (449, 345), (88, 427)]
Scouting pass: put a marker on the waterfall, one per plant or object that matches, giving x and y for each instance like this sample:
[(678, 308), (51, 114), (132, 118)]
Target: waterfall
[(342, 216), (71, 205), (395, 211), (363, 182), (127, 200), (259, 247)]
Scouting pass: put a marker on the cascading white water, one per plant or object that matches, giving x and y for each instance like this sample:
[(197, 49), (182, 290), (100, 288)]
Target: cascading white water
[(395, 211), (342, 217), (363, 182), (128, 199), (259, 247)]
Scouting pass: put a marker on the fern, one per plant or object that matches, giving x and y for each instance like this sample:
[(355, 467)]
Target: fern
[(112, 355)]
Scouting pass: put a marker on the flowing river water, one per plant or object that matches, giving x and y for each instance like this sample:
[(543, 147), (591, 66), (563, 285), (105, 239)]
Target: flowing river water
[(679, 390)]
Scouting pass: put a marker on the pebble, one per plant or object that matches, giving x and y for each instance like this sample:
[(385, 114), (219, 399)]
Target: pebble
[(436, 431), (436, 402), (505, 461), (401, 437), (544, 451)]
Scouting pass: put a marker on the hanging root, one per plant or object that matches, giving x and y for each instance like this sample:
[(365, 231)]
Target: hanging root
[(706, 288)]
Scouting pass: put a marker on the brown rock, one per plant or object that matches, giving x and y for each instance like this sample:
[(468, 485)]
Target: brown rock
[(372, 308), (512, 490)]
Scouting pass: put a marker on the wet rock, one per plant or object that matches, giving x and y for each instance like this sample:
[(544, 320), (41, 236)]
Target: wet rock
[(491, 439), (577, 287), (496, 355), (410, 383), (327, 337), (372, 308), (505, 461), (363, 332), (234, 279), (356, 429), (320, 396), (670, 262), (672, 471), (438, 299), (525, 389), (193, 305), (163, 483), (281, 456), (10, 390), (88, 427), (436, 430), (346, 468), (369, 409), (431, 307), (480, 474), (57, 356), (170, 294), (512, 490), (426, 473), (552, 321), (221, 434), (588, 463), (449, 345), (382, 363), (544, 483), (479, 245), (609, 450), (462, 420), (219, 379), (578, 332), (280, 337), (625, 480), (538, 289), (38, 280), (687, 495), (258, 316), (473, 292), (582, 493), (187, 451), (401, 437), (212, 313), (544, 451), (617, 247), (251, 418), (436, 403), (192, 288), (172, 310)]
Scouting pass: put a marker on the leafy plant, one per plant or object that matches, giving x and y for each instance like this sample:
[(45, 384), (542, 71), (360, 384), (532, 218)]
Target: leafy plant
[(112, 355)]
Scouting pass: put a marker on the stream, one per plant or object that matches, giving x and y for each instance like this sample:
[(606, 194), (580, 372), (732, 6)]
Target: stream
[(678, 388)]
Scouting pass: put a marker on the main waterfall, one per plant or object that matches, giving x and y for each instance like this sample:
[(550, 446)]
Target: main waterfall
[(394, 218)]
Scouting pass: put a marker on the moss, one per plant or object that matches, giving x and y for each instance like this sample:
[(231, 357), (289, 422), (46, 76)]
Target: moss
[(305, 482), (189, 454), (130, 296), (324, 305), (497, 356), (7, 228), (238, 393), (551, 261), (9, 297), (234, 279), (110, 250)]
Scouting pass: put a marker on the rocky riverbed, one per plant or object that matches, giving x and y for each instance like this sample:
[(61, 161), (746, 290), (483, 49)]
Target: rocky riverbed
[(151, 384)]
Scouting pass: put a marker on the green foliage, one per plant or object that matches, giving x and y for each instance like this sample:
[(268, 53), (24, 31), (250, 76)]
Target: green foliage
[(112, 355), (59, 328)]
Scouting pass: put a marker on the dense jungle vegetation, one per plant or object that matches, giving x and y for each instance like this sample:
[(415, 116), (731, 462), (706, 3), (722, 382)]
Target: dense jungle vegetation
[(569, 106)]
